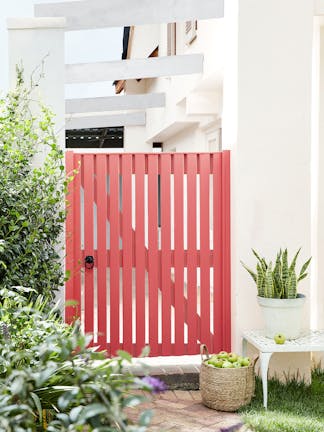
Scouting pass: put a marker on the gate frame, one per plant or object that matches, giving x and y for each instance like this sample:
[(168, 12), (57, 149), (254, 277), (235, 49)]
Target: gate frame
[(220, 163)]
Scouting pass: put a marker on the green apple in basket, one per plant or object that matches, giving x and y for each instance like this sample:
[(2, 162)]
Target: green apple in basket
[(232, 357), (218, 363), (227, 364), (245, 361), (223, 355)]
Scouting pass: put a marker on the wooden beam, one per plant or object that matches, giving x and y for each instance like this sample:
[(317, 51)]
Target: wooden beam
[(115, 103), (134, 68), (98, 121), (92, 14)]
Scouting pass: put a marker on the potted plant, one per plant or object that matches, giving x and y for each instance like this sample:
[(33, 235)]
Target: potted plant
[(281, 304)]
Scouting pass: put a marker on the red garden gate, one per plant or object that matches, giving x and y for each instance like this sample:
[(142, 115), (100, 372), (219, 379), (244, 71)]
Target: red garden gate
[(148, 250)]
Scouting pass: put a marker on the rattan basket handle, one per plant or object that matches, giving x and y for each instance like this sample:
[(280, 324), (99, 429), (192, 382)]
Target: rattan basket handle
[(254, 359), (204, 350)]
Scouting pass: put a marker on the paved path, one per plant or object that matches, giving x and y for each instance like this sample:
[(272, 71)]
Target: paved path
[(182, 411)]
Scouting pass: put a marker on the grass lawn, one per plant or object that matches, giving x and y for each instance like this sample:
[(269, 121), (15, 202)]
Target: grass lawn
[(293, 407)]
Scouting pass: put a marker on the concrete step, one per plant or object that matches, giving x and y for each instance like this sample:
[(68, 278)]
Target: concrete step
[(178, 372)]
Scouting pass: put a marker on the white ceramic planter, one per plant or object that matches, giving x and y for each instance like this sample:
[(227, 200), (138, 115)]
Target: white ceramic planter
[(282, 316)]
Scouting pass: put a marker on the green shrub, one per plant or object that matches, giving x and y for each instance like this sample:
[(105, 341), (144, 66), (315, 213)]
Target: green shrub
[(32, 198), (50, 367)]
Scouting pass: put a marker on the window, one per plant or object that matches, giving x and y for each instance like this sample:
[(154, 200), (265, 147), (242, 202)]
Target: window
[(111, 137)]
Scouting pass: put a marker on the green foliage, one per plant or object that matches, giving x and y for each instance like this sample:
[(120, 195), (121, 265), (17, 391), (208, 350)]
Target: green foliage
[(51, 368), (32, 198), (24, 324), (279, 281)]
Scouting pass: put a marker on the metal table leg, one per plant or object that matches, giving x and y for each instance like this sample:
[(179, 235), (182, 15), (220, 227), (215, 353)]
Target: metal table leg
[(264, 366)]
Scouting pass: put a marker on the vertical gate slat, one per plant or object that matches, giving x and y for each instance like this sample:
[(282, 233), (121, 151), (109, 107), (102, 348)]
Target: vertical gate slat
[(153, 252), (88, 174), (226, 246), (101, 199), (204, 249), (218, 255), (166, 252), (69, 239), (192, 252), (179, 253), (77, 264), (127, 236), (140, 251), (114, 252)]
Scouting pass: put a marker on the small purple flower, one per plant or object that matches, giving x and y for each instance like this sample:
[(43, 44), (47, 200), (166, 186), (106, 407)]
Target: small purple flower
[(156, 384)]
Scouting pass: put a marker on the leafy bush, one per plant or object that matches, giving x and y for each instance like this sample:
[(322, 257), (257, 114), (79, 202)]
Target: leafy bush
[(24, 324), (52, 369), (31, 198)]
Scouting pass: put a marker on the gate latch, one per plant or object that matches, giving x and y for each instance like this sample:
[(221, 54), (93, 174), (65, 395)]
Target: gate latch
[(89, 262)]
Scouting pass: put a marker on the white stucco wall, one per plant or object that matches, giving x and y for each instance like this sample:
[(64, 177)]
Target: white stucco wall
[(38, 45), (317, 292), (267, 95), (159, 120), (144, 39)]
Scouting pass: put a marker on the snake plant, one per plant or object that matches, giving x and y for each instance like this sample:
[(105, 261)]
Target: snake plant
[(279, 280)]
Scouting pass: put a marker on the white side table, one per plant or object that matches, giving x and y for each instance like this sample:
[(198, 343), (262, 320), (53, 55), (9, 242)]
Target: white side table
[(310, 340)]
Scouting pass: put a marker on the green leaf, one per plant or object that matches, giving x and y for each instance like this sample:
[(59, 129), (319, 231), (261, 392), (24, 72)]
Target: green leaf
[(269, 286), (304, 267), (254, 276), (293, 263), (66, 398), (124, 355), (92, 410), (260, 280), (38, 405), (292, 286), (145, 418), (261, 260), (134, 400), (17, 385), (302, 277), (145, 351), (75, 412)]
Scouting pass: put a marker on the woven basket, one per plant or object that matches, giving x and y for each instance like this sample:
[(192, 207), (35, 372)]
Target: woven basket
[(226, 389)]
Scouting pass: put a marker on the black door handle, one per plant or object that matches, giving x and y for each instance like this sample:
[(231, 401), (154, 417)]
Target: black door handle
[(89, 262)]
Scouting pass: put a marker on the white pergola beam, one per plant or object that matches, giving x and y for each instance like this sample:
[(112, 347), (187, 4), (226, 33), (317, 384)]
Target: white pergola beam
[(134, 69), (100, 121), (318, 7), (115, 103), (92, 14)]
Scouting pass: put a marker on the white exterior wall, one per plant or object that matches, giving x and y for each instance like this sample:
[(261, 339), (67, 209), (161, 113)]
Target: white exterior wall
[(317, 294), (190, 139), (267, 96), (164, 124), (38, 44), (147, 45)]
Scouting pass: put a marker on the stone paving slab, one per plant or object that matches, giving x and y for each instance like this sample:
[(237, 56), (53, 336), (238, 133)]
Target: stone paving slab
[(182, 411)]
